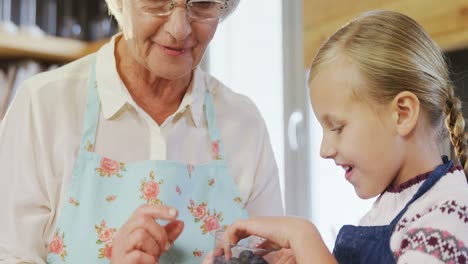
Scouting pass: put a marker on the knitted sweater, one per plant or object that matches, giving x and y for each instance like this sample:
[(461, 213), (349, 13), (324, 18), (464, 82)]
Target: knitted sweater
[(434, 229)]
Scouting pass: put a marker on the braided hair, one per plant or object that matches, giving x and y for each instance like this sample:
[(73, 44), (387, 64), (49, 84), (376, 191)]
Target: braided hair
[(455, 124)]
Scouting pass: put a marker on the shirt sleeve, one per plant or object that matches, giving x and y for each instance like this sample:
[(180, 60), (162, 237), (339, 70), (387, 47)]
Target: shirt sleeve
[(24, 199), (265, 198), (438, 236)]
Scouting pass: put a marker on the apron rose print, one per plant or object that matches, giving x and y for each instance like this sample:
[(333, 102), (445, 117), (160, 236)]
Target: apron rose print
[(190, 168), (105, 235), (211, 221), (57, 246), (150, 189), (198, 211), (238, 200), (89, 147), (73, 201), (197, 253), (215, 149), (110, 168), (106, 251), (178, 190), (211, 182), (111, 198)]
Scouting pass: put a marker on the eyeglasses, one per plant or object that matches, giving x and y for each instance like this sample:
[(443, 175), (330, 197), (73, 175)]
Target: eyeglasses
[(196, 9)]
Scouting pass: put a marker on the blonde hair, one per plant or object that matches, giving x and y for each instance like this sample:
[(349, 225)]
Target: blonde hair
[(395, 54), (115, 9)]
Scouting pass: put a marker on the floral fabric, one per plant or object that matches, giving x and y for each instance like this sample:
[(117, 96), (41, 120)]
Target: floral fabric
[(104, 193)]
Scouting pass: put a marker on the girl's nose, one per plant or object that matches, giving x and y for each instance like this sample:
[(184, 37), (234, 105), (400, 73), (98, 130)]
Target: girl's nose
[(327, 150)]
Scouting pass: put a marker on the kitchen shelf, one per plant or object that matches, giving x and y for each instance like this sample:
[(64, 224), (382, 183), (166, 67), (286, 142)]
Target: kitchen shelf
[(445, 21), (47, 48)]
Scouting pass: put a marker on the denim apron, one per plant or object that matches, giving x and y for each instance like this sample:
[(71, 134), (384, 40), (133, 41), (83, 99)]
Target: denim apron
[(371, 244), (103, 194)]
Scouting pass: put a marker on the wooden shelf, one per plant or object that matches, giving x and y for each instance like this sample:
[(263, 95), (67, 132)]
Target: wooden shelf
[(446, 21), (47, 48)]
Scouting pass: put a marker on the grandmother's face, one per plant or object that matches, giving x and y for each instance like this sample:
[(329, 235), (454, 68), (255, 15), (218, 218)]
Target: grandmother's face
[(169, 47)]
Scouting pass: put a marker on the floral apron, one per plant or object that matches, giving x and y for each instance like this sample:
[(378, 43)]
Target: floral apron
[(104, 193)]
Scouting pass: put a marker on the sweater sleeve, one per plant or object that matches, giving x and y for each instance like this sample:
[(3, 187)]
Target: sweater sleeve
[(438, 234)]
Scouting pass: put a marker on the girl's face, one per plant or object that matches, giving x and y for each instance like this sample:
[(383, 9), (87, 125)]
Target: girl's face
[(357, 133)]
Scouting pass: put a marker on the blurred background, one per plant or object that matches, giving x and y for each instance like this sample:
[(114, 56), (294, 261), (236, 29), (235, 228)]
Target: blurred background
[(263, 50), (77, 19), (39, 35)]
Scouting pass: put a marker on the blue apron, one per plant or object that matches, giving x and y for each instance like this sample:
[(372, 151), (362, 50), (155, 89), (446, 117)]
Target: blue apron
[(371, 244), (104, 193)]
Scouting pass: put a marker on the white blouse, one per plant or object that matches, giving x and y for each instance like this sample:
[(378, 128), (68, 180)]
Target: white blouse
[(41, 132)]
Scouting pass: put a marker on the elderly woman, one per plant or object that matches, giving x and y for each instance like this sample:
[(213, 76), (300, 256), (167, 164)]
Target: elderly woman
[(133, 154)]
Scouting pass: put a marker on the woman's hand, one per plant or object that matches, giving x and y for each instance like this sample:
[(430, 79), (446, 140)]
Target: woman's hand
[(297, 234), (141, 239)]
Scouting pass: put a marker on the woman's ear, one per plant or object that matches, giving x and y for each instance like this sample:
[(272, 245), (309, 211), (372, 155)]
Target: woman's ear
[(406, 110)]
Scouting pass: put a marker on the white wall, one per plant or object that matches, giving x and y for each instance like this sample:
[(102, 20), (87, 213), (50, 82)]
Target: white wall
[(246, 55), (334, 201)]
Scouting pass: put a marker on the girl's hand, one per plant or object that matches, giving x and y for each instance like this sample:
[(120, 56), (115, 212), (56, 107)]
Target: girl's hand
[(278, 231), (143, 240), (282, 256), (297, 234)]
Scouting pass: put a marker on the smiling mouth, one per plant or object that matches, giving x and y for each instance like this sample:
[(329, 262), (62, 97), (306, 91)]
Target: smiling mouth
[(171, 51), (348, 171), (174, 49)]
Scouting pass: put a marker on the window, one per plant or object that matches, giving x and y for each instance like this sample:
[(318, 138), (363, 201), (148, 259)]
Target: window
[(246, 55)]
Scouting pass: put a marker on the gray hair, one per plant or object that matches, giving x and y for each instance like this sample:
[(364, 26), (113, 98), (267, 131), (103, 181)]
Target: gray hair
[(115, 9)]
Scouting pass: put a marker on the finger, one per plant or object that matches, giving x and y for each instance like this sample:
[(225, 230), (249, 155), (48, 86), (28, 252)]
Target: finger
[(218, 251), (162, 212), (289, 259), (238, 231), (153, 230), (208, 259), (141, 240), (143, 218), (173, 230), (264, 227), (140, 257), (225, 247), (232, 235), (267, 244), (284, 256), (158, 233), (150, 211)]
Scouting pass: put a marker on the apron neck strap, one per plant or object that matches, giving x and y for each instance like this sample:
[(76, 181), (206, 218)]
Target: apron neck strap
[(93, 106), (91, 117), (435, 176), (210, 113)]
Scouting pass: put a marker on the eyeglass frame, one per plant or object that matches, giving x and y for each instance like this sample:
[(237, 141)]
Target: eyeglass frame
[(188, 7)]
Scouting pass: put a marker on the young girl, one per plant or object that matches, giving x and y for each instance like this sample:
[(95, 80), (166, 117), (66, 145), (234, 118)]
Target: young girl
[(381, 91)]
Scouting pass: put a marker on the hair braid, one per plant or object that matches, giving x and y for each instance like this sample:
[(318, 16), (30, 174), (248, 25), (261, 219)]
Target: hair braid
[(455, 124)]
